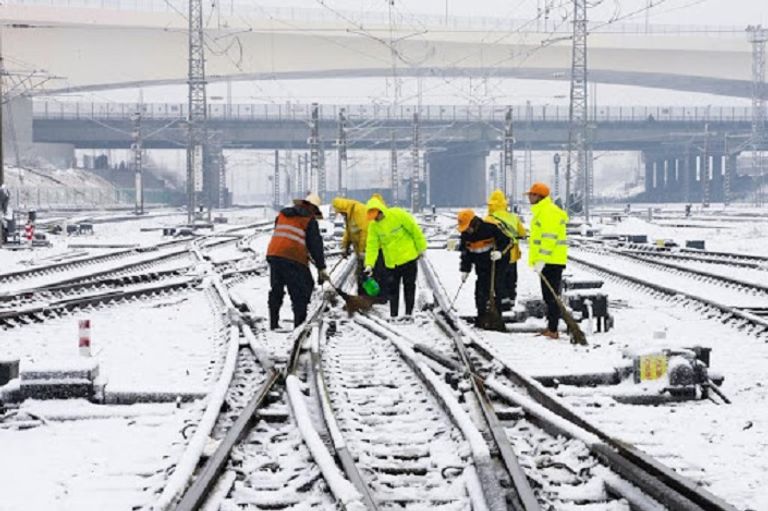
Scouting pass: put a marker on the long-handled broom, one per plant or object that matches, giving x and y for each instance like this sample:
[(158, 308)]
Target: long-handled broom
[(574, 330)]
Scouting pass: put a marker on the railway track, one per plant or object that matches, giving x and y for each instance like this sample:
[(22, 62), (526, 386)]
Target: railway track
[(730, 260), (659, 484), (119, 262), (735, 306), (370, 419)]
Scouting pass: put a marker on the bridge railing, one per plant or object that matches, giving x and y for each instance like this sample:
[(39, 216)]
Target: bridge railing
[(387, 113), (237, 8)]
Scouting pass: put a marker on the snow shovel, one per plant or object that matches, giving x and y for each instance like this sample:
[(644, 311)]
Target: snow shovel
[(490, 319), (574, 330)]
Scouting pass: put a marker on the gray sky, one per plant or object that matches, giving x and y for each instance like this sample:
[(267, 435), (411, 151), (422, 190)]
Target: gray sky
[(690, 12)]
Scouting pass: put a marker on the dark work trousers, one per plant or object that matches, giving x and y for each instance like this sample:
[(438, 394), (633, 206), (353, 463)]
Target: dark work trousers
[(298, 279), (554, 274), (483, 285), (359, 277), (381, 275), (407, 274), (510, 281)]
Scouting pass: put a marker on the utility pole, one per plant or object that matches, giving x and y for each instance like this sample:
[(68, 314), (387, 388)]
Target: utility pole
[(299, 171), (394, 175), (705, 170), (528, 156), (2, 139), (317, 169), (341, 144), (276, 181), (138, 164), (556, 161), (757, 35), (577, 115), (197, 107), (508, 168), (415, 166)]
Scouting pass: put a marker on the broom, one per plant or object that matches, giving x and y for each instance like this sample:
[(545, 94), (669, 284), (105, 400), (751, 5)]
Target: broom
[(574, 330)]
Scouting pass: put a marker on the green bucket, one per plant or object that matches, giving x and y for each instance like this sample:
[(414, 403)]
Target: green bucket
[(371, 287)]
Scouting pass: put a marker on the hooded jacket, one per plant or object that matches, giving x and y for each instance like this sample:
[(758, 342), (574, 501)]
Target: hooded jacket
[(509, 223), (356, 228), (397, 235), (548, 240)]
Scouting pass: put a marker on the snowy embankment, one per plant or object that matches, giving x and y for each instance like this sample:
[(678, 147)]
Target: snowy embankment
[(48, 187)]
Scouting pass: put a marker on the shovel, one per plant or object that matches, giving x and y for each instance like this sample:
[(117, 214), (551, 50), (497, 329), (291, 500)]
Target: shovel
[(491, 319)]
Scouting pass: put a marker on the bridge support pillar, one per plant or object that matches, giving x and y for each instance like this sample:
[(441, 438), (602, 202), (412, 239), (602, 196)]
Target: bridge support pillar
[(457, 175), (717, 177), (674, 178)]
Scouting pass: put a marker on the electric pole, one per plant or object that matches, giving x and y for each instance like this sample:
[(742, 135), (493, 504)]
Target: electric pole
[(415, 166), (341, 144), (507, 169), (394, 175), (138, 164), (757, 35), (705, 170), (556, 161), (317, 169), (276, 181), (577, 116), (4, 199), (197, 112)]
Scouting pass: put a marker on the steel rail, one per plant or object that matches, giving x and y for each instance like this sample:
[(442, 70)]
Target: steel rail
[(700, 273), (655, 479), (203, 485), (345, 457), (726, 309), (682, 256)]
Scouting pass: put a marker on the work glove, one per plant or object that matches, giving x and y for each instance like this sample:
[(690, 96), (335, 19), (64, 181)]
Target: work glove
[(464, 276), (322, 276), (368, 271), (495, 255), (538, 266)]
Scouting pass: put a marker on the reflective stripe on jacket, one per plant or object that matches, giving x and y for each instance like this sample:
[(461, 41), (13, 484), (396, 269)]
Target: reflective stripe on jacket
[(397, 235), (548, 241), (289, 239), (476, 246)]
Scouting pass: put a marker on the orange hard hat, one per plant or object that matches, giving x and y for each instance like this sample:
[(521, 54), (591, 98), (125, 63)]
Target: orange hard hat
[(373, 213), (465, 217), (538, 189)]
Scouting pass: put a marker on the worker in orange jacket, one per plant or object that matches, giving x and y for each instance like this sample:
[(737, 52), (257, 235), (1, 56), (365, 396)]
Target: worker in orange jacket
[(295, 240)]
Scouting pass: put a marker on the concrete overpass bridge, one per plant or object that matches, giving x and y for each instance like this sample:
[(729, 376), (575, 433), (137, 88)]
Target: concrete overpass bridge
[(457, 139), (97, 44)]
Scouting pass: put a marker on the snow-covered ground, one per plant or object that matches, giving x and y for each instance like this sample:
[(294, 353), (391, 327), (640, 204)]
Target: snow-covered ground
[(723, 446), (117, 458)]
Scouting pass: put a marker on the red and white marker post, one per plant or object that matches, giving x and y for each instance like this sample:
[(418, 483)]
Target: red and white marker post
[(29, 231), (84, 342)]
